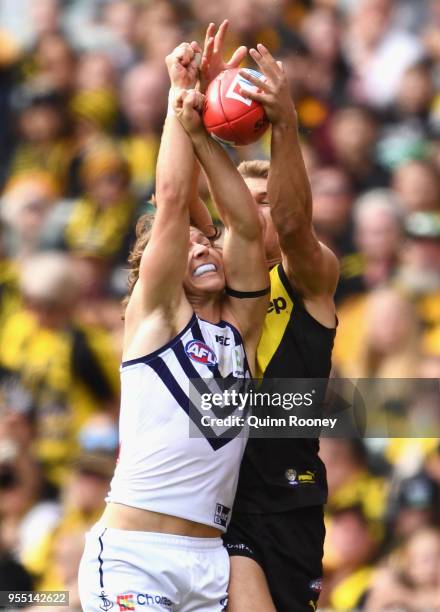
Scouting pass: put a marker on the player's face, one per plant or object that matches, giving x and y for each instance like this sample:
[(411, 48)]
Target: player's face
[(258, 189), (205, 274)]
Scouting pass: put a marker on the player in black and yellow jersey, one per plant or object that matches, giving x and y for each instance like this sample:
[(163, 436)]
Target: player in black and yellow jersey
[(277, 531)]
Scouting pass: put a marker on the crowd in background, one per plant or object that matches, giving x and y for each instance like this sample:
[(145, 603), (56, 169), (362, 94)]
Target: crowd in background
[(83, 94)]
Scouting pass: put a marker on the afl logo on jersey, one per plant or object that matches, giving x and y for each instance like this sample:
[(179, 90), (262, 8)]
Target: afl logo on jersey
[(200, 352)]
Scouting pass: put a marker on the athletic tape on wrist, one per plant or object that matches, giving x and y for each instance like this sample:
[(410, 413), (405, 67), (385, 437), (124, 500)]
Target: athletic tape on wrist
[(174, 92)]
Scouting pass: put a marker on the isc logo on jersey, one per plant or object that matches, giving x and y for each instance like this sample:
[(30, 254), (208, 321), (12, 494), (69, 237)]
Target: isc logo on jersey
[(200, 352), (238, 83)]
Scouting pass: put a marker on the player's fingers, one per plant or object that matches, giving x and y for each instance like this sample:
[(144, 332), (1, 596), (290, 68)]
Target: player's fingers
[(176, 54), (267, 56), (185, 54), (207, 55), (197, 57), (255, 81), (191, 99), (264, 51), (199, 101), (210, 32), (179, 100), (269, 68), (253, 95), (220, 36), (237, 57)]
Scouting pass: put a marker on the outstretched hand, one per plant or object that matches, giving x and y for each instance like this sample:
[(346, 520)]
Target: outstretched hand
[(274, 93), (183, 65), (212, 58), (188, 107)]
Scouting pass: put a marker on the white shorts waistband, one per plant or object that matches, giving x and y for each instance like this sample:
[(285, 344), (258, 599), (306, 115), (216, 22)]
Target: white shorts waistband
[(168, 540)]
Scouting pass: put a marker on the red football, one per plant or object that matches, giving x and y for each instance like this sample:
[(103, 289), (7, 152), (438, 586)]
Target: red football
[(230, 117)]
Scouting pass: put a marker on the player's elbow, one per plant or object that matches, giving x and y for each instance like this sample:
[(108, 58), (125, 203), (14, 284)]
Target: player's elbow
[(169, 195)]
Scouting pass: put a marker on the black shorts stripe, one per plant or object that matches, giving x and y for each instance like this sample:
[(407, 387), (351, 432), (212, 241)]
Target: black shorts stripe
[(101, 573)]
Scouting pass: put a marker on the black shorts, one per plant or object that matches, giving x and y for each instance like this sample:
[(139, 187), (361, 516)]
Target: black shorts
[(289, 547)]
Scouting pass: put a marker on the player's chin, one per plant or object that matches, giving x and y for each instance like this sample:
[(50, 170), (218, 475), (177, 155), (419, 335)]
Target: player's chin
[(208, 284)]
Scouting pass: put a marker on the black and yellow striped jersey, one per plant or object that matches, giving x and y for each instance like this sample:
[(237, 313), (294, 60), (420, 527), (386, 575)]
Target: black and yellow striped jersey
[(293, 345)]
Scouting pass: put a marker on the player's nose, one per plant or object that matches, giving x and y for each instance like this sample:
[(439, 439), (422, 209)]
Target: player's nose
[(200, 250)]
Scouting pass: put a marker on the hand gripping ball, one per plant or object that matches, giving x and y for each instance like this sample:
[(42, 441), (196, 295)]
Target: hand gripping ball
[(228, 116)]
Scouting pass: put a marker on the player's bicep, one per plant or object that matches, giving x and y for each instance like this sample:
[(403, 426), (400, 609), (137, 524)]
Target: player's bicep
[(164, 260)]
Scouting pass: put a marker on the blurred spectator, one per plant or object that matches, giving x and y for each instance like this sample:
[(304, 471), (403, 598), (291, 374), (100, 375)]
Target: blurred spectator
[(378, 232), (45, 16), (99, 298), (158, 30), (52, 63), (415, 503), (143, 101), (430, 33), (349, 481), (99, 434), (379, 338), (205, 11), (332, 203), (27, 508), (418, 186), (411, 579), (9, 292), (419, 275), (55, 560), (406, 126), (24, 209), (120, 18), (98, 223), (83, 375), (245, 17), (95, 72), (350, 550), (353, 136), (378, 52), (328, 73), (94, 113), (44, 143), (9, 54)]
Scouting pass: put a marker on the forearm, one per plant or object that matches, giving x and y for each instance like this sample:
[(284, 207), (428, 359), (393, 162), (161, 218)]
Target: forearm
[(289, 190), (173, 170), (228, 189), (310, 267), (198, 211)]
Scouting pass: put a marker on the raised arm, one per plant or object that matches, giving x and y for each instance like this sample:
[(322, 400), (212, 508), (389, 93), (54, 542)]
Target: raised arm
[(164, 261), (310, 266), (211, 64), (243, 249)]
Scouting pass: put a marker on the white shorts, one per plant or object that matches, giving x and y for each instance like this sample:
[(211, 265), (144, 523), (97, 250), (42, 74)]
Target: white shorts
[(136, 570)]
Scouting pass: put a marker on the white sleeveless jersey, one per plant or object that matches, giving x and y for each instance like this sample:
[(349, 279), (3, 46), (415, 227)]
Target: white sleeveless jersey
[(163, 467)]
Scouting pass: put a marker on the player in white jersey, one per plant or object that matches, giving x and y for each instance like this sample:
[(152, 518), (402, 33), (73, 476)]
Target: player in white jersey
[(157, 544)]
